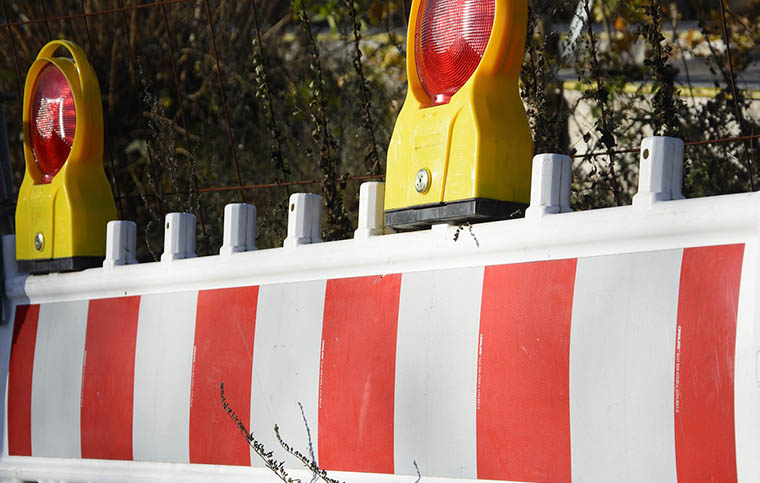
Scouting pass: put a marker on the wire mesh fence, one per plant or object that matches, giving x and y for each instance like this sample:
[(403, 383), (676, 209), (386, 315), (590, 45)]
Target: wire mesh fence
[(211, 101)]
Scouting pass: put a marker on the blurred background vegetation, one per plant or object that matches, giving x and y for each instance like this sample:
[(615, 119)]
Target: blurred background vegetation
[(202, 96)]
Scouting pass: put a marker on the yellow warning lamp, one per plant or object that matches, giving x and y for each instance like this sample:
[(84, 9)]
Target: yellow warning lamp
[(65, 200), (462, 148)]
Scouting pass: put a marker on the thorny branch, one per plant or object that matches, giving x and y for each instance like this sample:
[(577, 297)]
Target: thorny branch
[(734, 95), (461, 227), (310, 464), (372, 159), (601, 95), (264, 92), (664, 112), (277, 467), (314, 476), (338, 222)]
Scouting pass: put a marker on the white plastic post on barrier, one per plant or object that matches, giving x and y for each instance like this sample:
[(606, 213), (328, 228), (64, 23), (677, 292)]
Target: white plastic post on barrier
[(371, 216), (239, 228), (316, 220), (660, 171), (121, 243), (550, 185), (304, 220), (179, 237)]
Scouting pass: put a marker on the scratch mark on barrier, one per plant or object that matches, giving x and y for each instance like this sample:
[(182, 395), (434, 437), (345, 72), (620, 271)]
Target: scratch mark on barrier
[(678, 371), (321, 371), (480, 367)]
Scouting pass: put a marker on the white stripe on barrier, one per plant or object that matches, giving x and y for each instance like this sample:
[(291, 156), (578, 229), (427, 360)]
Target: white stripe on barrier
[(622, 346), (286, 351), (57, 380), (747, 371), (163, 368), (436, 373)]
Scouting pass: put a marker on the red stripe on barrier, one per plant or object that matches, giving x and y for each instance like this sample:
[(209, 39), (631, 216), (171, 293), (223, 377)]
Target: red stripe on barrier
[(357, 374), (108, 378), (704, 365), (523, 408), (20, 373), (223, 352)]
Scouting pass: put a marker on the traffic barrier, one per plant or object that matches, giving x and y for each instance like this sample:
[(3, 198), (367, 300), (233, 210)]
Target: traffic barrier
[(618, 344)]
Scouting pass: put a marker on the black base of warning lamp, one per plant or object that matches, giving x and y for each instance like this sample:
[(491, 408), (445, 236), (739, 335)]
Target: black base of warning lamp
[(473, 210), (69, 264)]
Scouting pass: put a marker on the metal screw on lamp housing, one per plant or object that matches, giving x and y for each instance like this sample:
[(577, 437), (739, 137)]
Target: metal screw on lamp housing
[(422, 180)]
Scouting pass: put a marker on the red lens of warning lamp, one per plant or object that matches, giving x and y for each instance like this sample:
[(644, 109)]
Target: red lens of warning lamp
[(450, 39), (53, 121)]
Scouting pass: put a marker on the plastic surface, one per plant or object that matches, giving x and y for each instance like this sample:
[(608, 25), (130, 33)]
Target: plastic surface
[(371, 220), (478, 145), (437, 360), (121, 243), (451, 37), (661, 170), (617, 344), (54, 119), (179, 237), (71, 211), (304, 220), (550, 185), (239, 228)]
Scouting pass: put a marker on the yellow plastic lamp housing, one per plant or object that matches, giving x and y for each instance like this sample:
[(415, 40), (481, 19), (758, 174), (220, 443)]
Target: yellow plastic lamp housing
[(65, 200), (461, 149)]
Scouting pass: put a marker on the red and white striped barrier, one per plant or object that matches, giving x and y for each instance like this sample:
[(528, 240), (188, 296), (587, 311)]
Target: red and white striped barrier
[(606, 368), (612, 345)]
